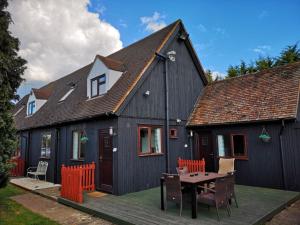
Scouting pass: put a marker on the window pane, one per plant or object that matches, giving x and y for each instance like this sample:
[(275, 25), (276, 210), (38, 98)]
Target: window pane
[(156, 140), (46, 145), (102, 79), (221, 145), (144, 140), (238, 145), (102, 89), (82, 150), (75, 144), (94, 88)]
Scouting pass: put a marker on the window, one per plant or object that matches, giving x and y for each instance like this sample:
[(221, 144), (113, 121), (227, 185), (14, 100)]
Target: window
[(98, 85), (66, 95), (173, 133), (46, 145), (238, 145), (78, 146), (31, 108), (231, 145), (150, 140)]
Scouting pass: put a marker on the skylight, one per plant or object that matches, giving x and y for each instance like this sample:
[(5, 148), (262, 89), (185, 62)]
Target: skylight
[(67, 94), (19, 110)]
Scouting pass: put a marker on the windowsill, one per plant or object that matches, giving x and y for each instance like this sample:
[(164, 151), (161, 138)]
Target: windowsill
[(234, 157), (45, 158), (77, 160), (95, 97), (150, 154), (173, 137)]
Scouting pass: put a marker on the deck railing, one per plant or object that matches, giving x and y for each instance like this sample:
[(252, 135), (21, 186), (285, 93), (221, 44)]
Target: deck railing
[(18, 169), (192, 165), (76, 179)]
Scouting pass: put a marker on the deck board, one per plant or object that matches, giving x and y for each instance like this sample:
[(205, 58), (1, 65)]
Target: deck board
[(256, 205)]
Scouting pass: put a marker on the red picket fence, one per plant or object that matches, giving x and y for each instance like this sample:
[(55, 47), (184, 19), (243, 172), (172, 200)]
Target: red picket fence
[(18, 169), (192, 165), (76, 179)]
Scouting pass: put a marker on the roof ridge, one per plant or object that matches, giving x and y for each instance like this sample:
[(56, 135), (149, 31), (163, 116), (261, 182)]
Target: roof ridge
[(148, 36)]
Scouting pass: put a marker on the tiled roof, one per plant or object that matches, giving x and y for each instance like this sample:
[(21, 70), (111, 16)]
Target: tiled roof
[(43, 93), (272, 94), (133, 60)]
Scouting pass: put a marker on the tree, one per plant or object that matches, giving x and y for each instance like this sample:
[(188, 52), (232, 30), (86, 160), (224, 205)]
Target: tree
[(12, 68), (289, 55)]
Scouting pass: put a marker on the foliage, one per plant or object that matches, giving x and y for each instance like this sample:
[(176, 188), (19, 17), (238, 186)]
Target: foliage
[(288, 55), (11, 69), (210, 77), (14, 213)]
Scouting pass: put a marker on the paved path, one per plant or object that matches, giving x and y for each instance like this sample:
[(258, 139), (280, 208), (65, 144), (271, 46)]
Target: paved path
[(55, 211), (289, 216)]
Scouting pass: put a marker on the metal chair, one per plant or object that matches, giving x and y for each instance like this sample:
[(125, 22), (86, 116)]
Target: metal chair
[(173, 190), (216, 197), (40, 170)]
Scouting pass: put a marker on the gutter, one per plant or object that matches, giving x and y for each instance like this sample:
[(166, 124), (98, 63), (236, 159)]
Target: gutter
[(281, 149)]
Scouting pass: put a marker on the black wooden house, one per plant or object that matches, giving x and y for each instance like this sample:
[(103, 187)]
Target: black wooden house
[(118, 103)]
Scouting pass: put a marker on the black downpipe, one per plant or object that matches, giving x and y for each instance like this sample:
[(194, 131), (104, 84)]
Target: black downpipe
[(57, 146), (167, 116), (281, 154)]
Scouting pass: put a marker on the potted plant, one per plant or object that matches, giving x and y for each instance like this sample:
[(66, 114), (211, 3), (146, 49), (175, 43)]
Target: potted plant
[(83, 138), (264, 136)]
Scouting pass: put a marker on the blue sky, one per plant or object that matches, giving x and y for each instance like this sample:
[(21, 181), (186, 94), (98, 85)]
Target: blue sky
[(58, 37), (222, 32)]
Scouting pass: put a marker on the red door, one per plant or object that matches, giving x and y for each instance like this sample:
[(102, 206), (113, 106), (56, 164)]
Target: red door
[(204, 149), (105, 161)]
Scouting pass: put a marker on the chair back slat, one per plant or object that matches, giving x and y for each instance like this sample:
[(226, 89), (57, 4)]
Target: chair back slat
[(226, 165)]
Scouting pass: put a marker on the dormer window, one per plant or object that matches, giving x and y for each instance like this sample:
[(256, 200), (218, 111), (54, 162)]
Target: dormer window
[(31, 108), (98, 85)]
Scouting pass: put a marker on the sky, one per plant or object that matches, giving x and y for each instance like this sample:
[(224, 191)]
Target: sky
[(58, 36)]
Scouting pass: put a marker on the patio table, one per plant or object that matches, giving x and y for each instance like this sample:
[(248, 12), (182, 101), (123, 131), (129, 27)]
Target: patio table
[(192, 181)]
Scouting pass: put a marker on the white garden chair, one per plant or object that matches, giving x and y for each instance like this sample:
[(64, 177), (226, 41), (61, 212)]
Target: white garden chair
[(40, 170)]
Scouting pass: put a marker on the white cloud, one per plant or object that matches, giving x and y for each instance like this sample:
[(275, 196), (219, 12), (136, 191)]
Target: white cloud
[(218, 74), (262, 49), (201, 27), (58, 36), (153, 23), (219, 30)]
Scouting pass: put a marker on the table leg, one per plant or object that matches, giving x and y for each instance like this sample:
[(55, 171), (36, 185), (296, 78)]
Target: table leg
[(162, 198), (194, 201)]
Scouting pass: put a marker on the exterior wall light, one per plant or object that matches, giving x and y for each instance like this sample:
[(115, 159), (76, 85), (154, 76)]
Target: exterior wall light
[(172, 55), (147, 93), (178, 120), (111, 131)]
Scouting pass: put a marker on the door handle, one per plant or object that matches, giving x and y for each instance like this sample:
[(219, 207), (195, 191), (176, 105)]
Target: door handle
[(100, 157)]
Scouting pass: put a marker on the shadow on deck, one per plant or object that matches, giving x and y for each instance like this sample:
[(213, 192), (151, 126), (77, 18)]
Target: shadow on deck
[(256, 206)]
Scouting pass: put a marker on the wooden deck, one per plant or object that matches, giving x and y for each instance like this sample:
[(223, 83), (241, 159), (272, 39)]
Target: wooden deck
[(256, 206)]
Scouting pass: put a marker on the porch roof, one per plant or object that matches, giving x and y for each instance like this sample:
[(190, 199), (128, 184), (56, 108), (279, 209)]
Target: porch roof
[(268, 95)]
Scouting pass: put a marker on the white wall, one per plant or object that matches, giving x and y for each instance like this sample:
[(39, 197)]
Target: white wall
[(38, 102), (98, 69)]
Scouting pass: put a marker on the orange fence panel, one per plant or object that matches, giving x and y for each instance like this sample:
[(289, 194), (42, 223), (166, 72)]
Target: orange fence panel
[(76, 179), (18, 169), (192, 165)]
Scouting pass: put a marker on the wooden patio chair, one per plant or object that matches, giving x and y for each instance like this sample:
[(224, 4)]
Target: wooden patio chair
[(40, 170), (173, 189), (182, 170), (216, 197)]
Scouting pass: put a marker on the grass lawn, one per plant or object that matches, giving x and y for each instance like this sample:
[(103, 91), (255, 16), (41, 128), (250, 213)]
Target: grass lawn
[(13, 213)]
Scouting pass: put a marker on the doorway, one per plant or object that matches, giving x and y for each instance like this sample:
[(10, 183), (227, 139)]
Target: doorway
[(204, 149), (105, 161)]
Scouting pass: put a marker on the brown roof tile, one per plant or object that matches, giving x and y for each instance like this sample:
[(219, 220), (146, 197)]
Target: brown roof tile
[(268, 95)]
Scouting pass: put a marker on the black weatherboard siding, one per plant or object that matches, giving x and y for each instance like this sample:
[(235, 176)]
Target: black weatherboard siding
[(263, 166), (135, 172)]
